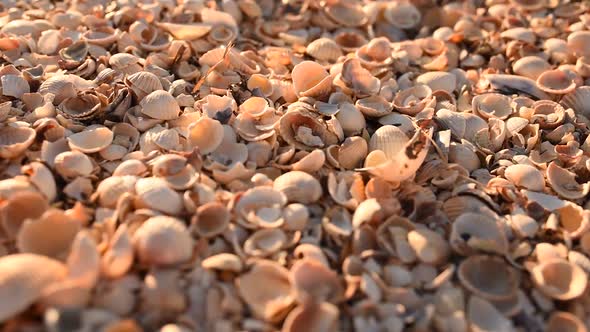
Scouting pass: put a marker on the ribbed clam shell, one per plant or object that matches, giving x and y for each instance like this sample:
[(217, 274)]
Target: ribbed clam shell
[(389, 139), (163, 241), (483, 233), (324, 49), (403, 15), (14, 86), (299, 187), (530, 66), (15, 140), (310, 79), (374, 106), (578, 100), (160, 105), (24, 278), (412, 100), (453, 121), (492, 105), (206, 134), (438, 80), (143, 83), (155, 193), (112, 188), (579, 42), (92, 139), (72, 164)]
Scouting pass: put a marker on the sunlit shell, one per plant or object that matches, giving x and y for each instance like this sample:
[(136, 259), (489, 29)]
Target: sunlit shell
[(14, 86), (359, 80), (163, 240), (50, 235), (488, 277), (579, 42), (19, 207), (267, 290), (521, 34), (210, 220), (206, 134), (525, 176), (41, 177), (22, 275), (111, 189), (313, 280), (125, 63), (530, 66), (403, 15), (160, 105), (265, 242), (82, 107), (310, 79), (223, 262), (559, 279), (473, 232), (352, 152), (92, 139), (349, 39), (299, 187), (438, 80), (15, 140), (564, 182), (118, 258), (430, 247), (348, 14), (413, 100), (555, 82), (260, 82), (324, 49), (143, 83), (513, 83), (351, 119), (578, 100), (492, 105), (373, 106), (72, 164), (304, 130), (566, 322), (376, 53), (156, 194), (484, 316), (321, 317)]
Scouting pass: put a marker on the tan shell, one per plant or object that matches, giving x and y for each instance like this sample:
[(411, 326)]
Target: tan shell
[(559, 279), (22, 275), (351, 119), (492, 105), (92, 139), (564, 182), (71, 164), (375, 53), (413, 100), (403, 15), (525, 176), (260, 82), (111, 189), (310, 79), (348, 14), (429, 246), (160, 105), (438, 80), (19, 207), (484, 316), (156, 194), (488, 277), (579, 42), (313, 280), (15, 140), (267, 290), (143, 83), (389, 139), (563, 321), (261, 207), (530, 66), (556, 82), (324, 49), (304, 130), (118, 258), (299, 187), (321, 317), (223, 262), (163, 241), (265, 242), (210, 220), (473, 232), (358, 79), (352, 152), (373, 106), (14, 86), (349, 39), (51, 234), (206, 134), (578, 100)]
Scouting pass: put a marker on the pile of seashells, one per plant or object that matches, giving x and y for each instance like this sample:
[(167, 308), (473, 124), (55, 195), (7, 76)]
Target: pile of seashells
[(295, 165)]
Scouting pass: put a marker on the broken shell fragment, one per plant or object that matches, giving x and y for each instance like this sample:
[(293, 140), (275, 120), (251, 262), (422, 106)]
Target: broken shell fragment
[(559, 279), (488, 277)]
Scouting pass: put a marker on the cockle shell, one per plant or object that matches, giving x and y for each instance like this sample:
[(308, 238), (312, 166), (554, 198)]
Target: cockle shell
[(565, 321), (160, 105), (210, 220), (559, 279), (430, 247), (206, 134), (484, 316), (19, 207), (118, 258), (438, 80), (299, 187), (359, 80), (22, 274), (564, 182), (163, 241), (578, 100), (530, 66), (373, 106), (186, 31), (375, 53), (488, 277), (492, 105), (310, 79), (348, 14), (156, 194), (14, 86), (413, 100), (223, 262), (15, 140), (303, 130), (92, 139), (265, 242), (111, 189), (143, 83), (473, 232), (525, 176), (321, 317), (324, 49), (313, 280), (351, 119), (403, 15), (267, 290), (579, 42), (72, 164), (556, 82)]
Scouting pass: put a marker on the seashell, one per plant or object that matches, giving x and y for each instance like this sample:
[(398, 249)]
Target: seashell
[(373, 106), (125, 63), (299, 187), (403, 15), (525, 176), (21, 274), (583, 66), (20, 28), (453, 121), (358, 79), (265, 242), (118, 258), (555, 82), (488, 277), (112, 188), (303, 130), (210, 220), (160, 105), (163, 241), (348, 14), (564, 183), (368, 211), (310, 79), (565, 321), (56, 230), (578, 100), (473, 232), (144, 83), (14, 86), (413, 100), (389, 139), (155, 193), (578, 42), (206, 134), (19, 207), (76, 52), (512, 83), (521, 34), (41, 177), (484, 316), (15, 140), (92, 139), (223, 262), (530, 66), (71, 164), (492, 105), (313, 280), (349, 39), (324, 49), (82, 107), (267, 290), (185, 31), (438, 80), (83, 262), (523, 225), (559, 279), (257, 81), (322, 317), (376, 53), (430, 247), (351, 119), (352, 152)]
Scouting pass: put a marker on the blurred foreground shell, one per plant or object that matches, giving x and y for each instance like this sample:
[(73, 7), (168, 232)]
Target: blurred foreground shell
[(163, 240)]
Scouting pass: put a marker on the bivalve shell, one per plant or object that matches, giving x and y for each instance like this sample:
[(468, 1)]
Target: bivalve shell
[(160, 105), (559, 279), (324, 49), (488, 277), (92, 139), (299, 187), (15, 140), (163, 241)]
